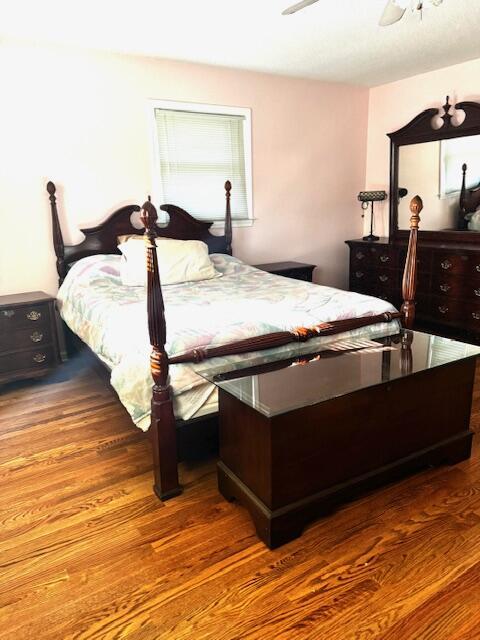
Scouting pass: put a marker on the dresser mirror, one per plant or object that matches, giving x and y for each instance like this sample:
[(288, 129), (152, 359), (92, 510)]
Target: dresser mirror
[(437, 155)]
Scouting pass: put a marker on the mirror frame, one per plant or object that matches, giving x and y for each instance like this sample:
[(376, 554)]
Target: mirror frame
[(419, 130)]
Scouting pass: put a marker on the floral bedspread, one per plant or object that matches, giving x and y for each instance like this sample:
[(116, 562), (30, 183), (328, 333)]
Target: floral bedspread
[(112, 319)]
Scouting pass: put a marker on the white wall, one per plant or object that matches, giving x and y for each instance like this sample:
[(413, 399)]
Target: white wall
[(391, 106), (79, 118)]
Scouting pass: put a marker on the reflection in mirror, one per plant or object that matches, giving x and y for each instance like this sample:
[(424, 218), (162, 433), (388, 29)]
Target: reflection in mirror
[(434, 170)]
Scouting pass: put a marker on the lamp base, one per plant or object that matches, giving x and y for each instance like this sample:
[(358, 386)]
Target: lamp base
[(371, 238)]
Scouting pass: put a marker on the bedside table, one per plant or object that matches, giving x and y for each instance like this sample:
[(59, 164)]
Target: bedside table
[(296, 270), (28, 336)]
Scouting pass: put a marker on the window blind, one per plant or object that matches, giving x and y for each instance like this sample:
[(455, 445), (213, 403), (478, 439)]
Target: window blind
[(197, 153)]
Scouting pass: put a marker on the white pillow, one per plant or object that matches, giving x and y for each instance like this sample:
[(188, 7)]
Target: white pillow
[(178, 261)]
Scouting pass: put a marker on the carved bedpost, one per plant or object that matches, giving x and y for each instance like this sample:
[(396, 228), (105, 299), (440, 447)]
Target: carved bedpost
[(406, 356), (409, 284), (463, 194), (162, 426), (228, 218), (57, 234)]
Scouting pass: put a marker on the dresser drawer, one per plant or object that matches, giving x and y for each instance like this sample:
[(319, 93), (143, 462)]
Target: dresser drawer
[(448, 263), (446, 310), (25, 338), (472, 318), (472, 290), (386, 279), (384, 257), (361, 258), (34, 316), (34, 359), (361, 281), (449, 286)]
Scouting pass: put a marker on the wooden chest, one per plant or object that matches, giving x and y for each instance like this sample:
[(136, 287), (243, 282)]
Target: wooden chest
[(28, 336)]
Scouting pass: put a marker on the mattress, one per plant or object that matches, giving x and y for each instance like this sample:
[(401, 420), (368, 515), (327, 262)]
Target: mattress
[(112, 320)]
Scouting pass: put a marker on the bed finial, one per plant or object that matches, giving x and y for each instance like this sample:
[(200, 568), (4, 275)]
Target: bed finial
[(162, 429), (463, 191), (228, 218), (409, 284), (57, 233)]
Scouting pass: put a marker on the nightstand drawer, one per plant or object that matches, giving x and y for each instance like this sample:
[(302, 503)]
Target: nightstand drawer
[(25, 338), (34, 359), (33, 315), (298, 274), (295, 270)]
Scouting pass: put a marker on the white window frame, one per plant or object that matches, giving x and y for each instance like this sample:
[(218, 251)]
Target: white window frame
[(196, 107)]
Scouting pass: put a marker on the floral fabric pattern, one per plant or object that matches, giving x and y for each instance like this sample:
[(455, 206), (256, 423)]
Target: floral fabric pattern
[(112, 320)]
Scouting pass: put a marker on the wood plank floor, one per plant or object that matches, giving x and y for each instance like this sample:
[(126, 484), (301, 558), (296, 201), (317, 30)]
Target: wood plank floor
[(86, 550)]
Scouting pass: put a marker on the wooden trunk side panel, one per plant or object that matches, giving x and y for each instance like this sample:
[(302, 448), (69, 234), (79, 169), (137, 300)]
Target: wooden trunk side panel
[(245, 444), (326, 444)]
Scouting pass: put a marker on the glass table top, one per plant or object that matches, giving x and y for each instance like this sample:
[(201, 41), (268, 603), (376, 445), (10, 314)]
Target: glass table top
[(274, 386)]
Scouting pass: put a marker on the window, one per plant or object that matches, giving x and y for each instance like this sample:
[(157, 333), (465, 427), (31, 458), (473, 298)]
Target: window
[(453, 154), (196, 149)]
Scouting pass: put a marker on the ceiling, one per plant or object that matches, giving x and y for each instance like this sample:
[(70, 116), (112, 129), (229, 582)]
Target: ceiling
[(332, 40)]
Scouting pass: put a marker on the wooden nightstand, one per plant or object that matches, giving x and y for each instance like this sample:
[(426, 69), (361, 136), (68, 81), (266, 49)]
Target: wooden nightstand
[(296, 270), (28, 336)]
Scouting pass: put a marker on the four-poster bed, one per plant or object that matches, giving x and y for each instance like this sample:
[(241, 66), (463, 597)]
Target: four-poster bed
[(103, 239)]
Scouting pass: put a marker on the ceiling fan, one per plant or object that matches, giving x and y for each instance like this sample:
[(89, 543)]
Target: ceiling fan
[(393, 12)]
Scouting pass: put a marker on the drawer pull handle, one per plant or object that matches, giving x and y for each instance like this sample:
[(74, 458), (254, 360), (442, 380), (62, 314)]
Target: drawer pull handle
[(359, 255), (477, 292), (8, 313), (446, 264), (443, 310), (383, 278), (478, 268), (475, 315), (36, 336), (39, 357), (359, 274), (34, 315), (445, 287), (384, 258)]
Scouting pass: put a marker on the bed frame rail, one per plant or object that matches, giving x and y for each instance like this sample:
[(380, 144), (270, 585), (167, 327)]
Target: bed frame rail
[(162, 429)]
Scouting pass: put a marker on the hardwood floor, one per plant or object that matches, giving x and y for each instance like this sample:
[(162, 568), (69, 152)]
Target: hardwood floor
[(87, 551)]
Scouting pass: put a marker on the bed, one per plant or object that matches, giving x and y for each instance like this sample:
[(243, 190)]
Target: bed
[(242, 314)]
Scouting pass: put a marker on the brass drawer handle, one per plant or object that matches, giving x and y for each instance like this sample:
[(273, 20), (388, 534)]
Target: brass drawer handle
[(39, 357), (445, 287), (446, 264), (475, 316), (36, 336), (384, 258), (443, 310), (8, 313), (359, 255), (383, 278), (359, 274), (477, 292), (34, 315)]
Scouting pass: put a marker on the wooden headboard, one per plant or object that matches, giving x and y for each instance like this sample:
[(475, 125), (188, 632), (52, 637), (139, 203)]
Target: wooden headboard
[(103, 238), (469, 198)]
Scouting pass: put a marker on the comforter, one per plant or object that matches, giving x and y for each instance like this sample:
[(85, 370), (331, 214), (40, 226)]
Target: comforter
[(112, 320)]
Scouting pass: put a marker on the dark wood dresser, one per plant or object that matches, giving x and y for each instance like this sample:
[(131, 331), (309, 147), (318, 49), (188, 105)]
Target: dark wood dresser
[(28, 336), (448, 290), (296, 270)]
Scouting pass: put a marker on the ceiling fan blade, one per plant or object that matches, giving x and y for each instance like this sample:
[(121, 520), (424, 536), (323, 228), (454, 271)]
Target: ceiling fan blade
[(391, 14), (297, 7)]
